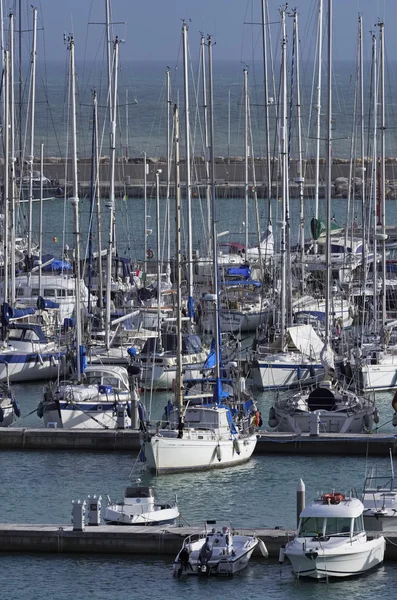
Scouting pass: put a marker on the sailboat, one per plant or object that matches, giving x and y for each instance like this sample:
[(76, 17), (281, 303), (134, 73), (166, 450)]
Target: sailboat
[(328, 406), (201, 432)]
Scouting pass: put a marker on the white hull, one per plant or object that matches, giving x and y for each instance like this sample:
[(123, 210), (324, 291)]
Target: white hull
[(162, 378), (267, 376), (84, 416), (233, 321), (115, 515), (196, 450), (352, 560), (379, 377), (19, 367)]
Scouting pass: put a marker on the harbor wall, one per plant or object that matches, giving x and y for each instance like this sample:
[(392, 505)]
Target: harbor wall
[(127, 440)]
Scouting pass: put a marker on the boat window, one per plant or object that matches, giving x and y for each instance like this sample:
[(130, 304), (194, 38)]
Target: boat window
[(338, 525), (61, 293), (35, 291), (311, 526), (358, 524), (70, 292), (49, 293), (20, 292)]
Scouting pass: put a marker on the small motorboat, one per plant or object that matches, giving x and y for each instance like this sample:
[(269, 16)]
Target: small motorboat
[(217, 551), (140, 508), (331, 540)]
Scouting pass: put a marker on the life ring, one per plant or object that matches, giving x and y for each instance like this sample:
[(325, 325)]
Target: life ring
[(334, 498), (149, 253)]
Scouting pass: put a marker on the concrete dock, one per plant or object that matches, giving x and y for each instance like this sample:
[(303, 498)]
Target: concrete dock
[(126, 440), (113, 539)]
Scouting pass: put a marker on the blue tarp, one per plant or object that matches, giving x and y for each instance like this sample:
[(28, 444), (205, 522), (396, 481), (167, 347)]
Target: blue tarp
[(242, 282), (244, 271)]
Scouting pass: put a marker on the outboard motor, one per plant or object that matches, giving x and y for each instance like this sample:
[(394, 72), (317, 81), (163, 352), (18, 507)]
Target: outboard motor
[(204, 556)]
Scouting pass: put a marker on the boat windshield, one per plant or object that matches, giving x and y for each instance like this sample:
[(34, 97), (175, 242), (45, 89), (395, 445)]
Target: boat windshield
[(338, 526), (311, 526)]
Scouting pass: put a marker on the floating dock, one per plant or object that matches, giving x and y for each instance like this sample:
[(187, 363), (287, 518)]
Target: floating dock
[(128, 440), (115, 539)]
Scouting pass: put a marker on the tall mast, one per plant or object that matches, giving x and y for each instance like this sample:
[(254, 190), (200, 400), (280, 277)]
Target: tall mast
[(329, 179), (284, 159), (75, 203), (111, 203), (374, 177), (318, 127), (98, 207), (109, 56), (206, 143), (382, 167), (364, 214), (6, 173), (299, 179), (266, 92), (217, 329), (32, 116), (12, 153), (246, 158), (178, 222), (187, 173), (168, 86), (158, 253), (41, 218)]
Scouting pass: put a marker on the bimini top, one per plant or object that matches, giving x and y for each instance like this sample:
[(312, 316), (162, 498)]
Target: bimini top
[(347, 507)]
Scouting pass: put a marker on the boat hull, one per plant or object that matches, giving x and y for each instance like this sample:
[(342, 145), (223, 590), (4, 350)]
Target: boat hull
[(167, 516), (90, 415), (268, 376), (351, 560), (19, 367), (195, 451)]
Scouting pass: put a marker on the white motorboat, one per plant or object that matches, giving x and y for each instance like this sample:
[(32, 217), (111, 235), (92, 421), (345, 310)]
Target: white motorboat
[(326, 408), (331, 540), (379, 497), (108, 399), (217, 551), (140, 508)]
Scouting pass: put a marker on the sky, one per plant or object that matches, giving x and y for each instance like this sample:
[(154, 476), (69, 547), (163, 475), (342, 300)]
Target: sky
[(151, 28)]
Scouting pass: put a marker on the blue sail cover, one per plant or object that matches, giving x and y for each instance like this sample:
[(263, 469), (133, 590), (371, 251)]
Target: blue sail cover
[(236, 282), (244, 271)]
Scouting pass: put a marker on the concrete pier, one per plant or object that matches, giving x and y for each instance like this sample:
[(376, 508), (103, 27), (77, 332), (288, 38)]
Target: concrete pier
[(126, 440), (113, 539)]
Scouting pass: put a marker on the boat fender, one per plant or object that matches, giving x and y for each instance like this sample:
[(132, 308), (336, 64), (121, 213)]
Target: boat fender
[(394, 421), (149, 253), (376, 416), (40, 410), (394, 401), (6, 314), (129, 412), (312, 371), (219, 453), (298, 373), (1, 415), (367, 422), (236, 446), (15, 406), (263, 549), (273, 422), (281, 555)]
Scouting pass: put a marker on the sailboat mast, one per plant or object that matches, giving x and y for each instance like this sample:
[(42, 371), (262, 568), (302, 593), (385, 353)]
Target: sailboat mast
[(41, 219), (318, 107), (382, 167), (168, 86), (111, 194), (187, 174), (299, 179), (246, 157), (329, 179), (12, 151), (206, 143), (217, 330), (32, 117), (6, 172), (284, 159), (266, 92), (178, 255), (75, 203), (375, 179)]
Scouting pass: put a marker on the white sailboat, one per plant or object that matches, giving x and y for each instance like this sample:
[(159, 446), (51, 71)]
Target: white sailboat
[(201, 434)]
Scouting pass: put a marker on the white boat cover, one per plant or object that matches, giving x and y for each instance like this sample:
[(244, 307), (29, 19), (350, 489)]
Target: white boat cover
[(305, 340)]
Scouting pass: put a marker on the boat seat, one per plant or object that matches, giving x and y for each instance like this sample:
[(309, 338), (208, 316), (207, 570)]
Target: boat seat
[(321, 399)]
